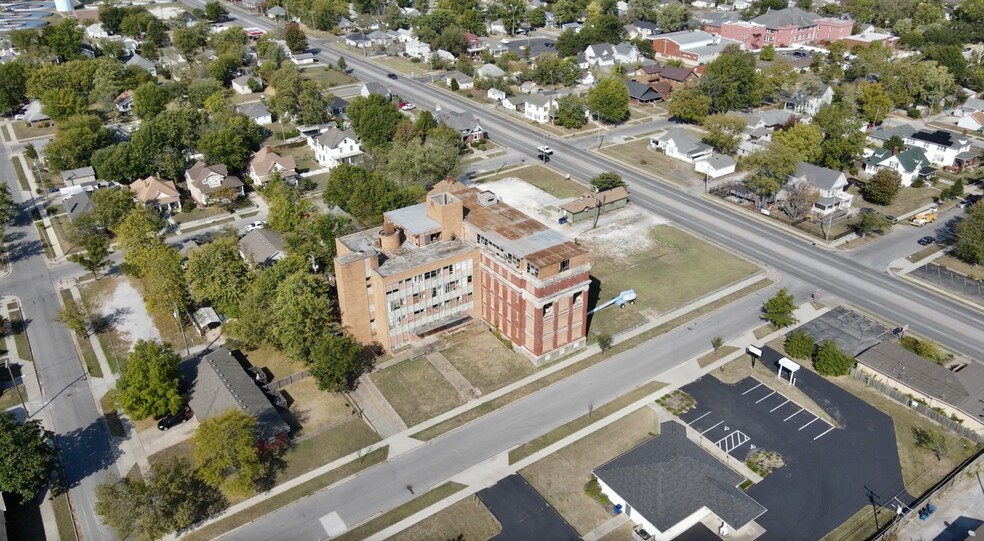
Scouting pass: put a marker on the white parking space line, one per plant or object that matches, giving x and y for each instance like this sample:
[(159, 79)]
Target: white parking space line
[(828, 430), (764, 397), (709, 429), (791, 416), (810, 423), (779, 406), (752, 389), (691, 423)]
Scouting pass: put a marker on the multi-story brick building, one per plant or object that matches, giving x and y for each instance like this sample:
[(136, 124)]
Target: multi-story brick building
[(463, 255), (785, 28)]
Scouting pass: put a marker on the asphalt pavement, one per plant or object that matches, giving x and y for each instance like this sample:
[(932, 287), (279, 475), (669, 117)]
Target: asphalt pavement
[(523, 513)]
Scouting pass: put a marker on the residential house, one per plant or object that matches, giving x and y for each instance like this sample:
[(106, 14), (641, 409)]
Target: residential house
[(464, 81), (380, 38), (678, 77), (417, 49), (446, 56), (549, 20), (358, 40), (664, 88), (575, 27), (626, 53), (829, 183), (717, 165), (265, 163), (489, 71), (972, 105), (245, 84), (159, 194), (496, 48), (943, 148), (276, 12), (496, 94), (529, 87), (589, 205), (972, 122), (668, 484), (143, 63), (172, 59), (681, 144), (212, 183), (473, 44), (538, 108), (124, 102), (600, 55), (868, 38), (219, 384), (691, 47), (345, 25), (77, 204), (373, 87), (496, 27), (464, 123), (35, 115), (338, 106), (78, 177), (404, 35), (587, 78), (786, 28), (649, 73), (640, 29), (911, 163), (334, 146), (641, 93), (302, 59), (806, 104), (882, 134), (262, 247), (96, 31), (257, 112)]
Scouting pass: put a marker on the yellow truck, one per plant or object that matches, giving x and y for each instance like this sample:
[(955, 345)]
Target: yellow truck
[(926, 217)]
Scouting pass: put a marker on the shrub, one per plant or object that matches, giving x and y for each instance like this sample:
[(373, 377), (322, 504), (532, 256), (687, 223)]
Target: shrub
[(918, 183), (829, 360), (605, 341), (914, 113), (593, 490), (799, 345), (926, 349)]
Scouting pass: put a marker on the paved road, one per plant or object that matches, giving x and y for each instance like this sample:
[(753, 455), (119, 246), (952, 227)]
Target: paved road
[(83, 439), (903, 241)]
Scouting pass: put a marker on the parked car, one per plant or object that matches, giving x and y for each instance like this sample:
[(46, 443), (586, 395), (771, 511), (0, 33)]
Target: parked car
[(407, 106), (182, 416), (255, 225), (544, 149), (19, 116), (926, 241), (392, 76)]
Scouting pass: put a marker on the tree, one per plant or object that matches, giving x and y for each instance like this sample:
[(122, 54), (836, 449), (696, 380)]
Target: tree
[(570, 112), (724, 131), (768, 53), (454, 85), (799, 345), (870, 222), (140, 227), (894, 143), (75, 141), (27, 456), (96, 255), (287, 208), (214, 12), (226, 453), (607, 181), (829, 360), (7, 207), (800, 199), (200, 89), (73, 316), (777, 78), (873, 103), (957, 188), (225, 145), (609, 99), (295, 38), (882, 188), (159, 267), (672, 17), (188, 40), (61, 103), (13, 86), (689, 105), (716, 343), (111, 207), (926, 349), (804, 139), (303, 313), (424, 162), (769, 168), (64, 39), (217, 275), (334, 360), (225, 67), (730, 81), (843, 141), (605, 341), (150, 383), (779, 309), (342, 65), (568, 43), (933, 440), (374, 119)]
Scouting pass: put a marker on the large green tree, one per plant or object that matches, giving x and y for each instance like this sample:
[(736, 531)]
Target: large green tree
[(730, 81), (27, 456), (13, 86), (75, 141), (334, 360), (570, 112), (882, 187), (873, 103), (778, 310), (295, 38), (374, 119), (303, 312), (111, 207), (96, 255), (805, 139), (217, 275), (843, 140), (769, 168), (724, 131), (150, 383), (287, 207), (366, 195), (609, 99), (608, 180), (226, 453), (970, 236), (689, 105)]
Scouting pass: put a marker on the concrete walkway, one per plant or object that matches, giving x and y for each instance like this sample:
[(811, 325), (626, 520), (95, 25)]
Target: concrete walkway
[(450, 373), (49, 231), (381, 416), (606, 528)]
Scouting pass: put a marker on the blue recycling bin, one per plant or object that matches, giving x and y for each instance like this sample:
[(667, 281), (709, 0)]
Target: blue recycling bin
[(617, 510)]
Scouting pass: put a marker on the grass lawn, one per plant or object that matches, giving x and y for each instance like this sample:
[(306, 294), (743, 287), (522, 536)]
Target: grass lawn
[(49, 252), (546, 179), (112, 416), (403, 65), (624, 532), (314, 410), (327, 76), (467, 519), (319, 181), (185, 449), (342, 439), (88, 355), (6, 133), (715, 356), (486, 362), (23, 131), (638, 154), (61, 225), (273, 503), (63, 517), (764, 330), (11, 398), (19, 171), (198, 214), (277, 362), (924, 253), (908, 200), (663, 278), (920, 468), (861, 526), (975, 272), (416, 390), (303, 157), (561, 477), (19, 331), (397, 514), (583, 421)]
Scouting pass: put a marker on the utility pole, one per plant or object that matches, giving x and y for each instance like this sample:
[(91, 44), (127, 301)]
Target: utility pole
[(177, 318)]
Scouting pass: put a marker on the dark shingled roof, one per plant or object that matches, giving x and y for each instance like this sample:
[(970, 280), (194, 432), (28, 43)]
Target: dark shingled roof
[(937, 137), (669, 478), (910, 369)]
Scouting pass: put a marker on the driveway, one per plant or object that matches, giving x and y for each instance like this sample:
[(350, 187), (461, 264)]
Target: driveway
[(523, 513)]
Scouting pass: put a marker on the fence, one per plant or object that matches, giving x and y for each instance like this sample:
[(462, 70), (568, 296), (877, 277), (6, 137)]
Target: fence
[(279, 384), (948, 279), (919, 407)]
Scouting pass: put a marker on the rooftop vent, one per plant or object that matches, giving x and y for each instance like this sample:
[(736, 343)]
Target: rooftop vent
[(487, 199)]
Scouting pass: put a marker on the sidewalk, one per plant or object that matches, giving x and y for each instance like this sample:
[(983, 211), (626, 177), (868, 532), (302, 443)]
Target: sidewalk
[(261, 209), (49, 231)]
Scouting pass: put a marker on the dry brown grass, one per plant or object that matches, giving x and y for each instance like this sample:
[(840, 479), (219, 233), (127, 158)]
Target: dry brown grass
[(561, 477), (861, 526), (416, 390), (467, 519), (314, 409), (658, 165), (624, 532), (974, 272), (544, 178), (741, 368), (715, 356), (486, 362), (277, 362)]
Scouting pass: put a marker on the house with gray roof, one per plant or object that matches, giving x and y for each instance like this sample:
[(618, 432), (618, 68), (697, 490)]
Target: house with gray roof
[(77, 204), (82, 175), (143, 63), (668, 484), (717, 165), (276, 12), (831, 185), (489, 71), (210, 183), (806, 103), (333, 146), (35, 115), (219, 384), (464, 123), (464, 81), (262, 247), (257, 112), (373, 87), (641, 93), (244, 84), (883, 133), (681, 144)]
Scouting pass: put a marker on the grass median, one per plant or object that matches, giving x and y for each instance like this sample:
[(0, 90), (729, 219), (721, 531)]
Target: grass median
[(19, 330), (19, 171), (85, 346), (397, 514)]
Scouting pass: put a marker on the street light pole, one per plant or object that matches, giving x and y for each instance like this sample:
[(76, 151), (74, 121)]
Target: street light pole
[(6, 363)]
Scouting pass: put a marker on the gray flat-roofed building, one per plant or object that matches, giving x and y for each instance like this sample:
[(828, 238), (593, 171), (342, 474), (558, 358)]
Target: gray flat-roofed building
[(414, 218), (914, 371), (852, 331)]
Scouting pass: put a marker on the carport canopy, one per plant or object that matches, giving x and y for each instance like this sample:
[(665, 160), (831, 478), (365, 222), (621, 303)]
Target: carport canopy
[(788, 365)]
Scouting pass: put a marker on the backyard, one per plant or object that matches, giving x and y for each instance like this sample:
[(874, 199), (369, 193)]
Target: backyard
[(638, 154), (416, 390), (660, 269), (327, 76), (403, 65), (303, 157), (486, 362), (543, 178)]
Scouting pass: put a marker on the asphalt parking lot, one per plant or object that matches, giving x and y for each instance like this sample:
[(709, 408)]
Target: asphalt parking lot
[(523, 513), (830, 473)]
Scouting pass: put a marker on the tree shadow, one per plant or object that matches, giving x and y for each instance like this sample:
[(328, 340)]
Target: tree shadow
[(23, 249), (364, 365), (13, 236), (959, 529), (86, 451), (104, 322)]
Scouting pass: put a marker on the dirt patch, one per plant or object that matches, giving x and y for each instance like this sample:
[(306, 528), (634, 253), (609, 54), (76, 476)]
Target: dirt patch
[(677, 402), (765, 462), (124, 307)]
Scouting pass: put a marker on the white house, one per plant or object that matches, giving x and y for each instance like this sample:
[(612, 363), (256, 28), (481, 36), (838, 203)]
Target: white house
[(681, 144), (302, 59), (668, 484), (717, 165), (206, 182), (515, 103), (576, 27), (538, 108), (257, 112), (627, 53), (334, 146), (805, 104), (265, 163), (358, 40), (241, 85), (379, 37), (640, 29), (124, 102), (830, 184), (496, 94), (910, 163), (973, 121), (373, 87), (417, 49), (496, 27), (942, 147), (464, 81), (404, 35), (489, 71), (600, 54), (96, 31), (446, 56), (587, 78)]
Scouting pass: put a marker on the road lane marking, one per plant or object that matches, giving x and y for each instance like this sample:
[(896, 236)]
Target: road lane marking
[(791, 416), (810, 423), (709, 429), (828, 430), (752, 389), (764, 397), (779, 406), (691, 423)]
